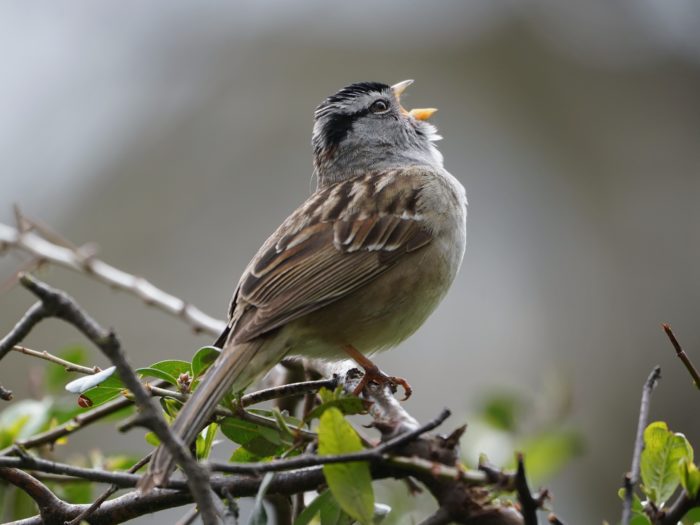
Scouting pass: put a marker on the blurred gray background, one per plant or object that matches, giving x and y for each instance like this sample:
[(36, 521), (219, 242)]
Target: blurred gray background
[(176, 135)]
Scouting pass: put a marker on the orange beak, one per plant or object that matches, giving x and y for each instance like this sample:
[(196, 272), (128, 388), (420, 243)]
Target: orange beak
[(418, 113)]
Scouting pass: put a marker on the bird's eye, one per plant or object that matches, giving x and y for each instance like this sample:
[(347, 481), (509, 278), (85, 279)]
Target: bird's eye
[(379, 106)]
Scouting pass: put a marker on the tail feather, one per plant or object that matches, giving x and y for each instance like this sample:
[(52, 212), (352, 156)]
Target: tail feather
[(234, 368)]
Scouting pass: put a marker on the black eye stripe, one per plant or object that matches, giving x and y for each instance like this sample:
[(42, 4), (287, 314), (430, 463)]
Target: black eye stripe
[(339, 125)]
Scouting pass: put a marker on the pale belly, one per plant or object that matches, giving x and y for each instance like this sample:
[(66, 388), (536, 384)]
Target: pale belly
[(385, 312)]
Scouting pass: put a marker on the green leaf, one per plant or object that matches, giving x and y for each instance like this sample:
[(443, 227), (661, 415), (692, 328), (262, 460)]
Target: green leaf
[(260, 441), (690, 477), (692, 517), (169, 370), (109, 389), (660, 461), (326, 509), (637, 507), (205, 440), (640, 519), (23, 419), (243, 455), (347, 405), (203, 359), (152, 439), (75, 492), (547, 453), (171, 406), (501, 411), (350, 483)]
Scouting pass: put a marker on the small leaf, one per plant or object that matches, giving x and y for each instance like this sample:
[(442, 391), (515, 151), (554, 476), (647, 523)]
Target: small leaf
[(350, 483), (660, 461), (171, 406), (152, 439), (637, 507), (109, 389), (238, 430), (260, 441), (203, 359), (205, 440), (75, 492), (640, 519), (690, 477), (23, 419), (80, 385), (348, 406), (326, 509), (547, 453), (243, 455), (168, 370), (692, 516), (501, 411)]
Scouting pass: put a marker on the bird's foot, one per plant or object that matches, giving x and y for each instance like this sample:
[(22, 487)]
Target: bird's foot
[(374, 375)]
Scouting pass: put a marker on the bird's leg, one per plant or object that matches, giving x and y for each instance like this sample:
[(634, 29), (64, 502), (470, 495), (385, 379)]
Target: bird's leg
[(372, 373)]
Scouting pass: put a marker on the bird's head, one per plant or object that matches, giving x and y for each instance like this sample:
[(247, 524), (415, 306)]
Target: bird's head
[(364, 127)]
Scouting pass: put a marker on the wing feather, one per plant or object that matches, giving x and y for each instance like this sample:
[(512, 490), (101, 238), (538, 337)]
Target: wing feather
[(343, 237)]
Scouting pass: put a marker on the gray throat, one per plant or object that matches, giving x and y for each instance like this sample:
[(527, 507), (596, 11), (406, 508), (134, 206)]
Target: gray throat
[(353, 163)]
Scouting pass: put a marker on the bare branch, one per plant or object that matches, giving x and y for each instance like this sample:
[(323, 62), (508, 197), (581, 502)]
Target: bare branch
[(106, 494), (308, 460), (632, 477), (678, 509), (34, 315), (680, 353), (67, 365), (69, 427), (51, 508), (76, 259)]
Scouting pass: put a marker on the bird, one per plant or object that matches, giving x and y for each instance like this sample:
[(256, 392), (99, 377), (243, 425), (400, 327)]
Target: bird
[(357, 268)]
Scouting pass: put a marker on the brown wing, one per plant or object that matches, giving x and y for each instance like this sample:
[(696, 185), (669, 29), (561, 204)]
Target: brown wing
[(341, 238)]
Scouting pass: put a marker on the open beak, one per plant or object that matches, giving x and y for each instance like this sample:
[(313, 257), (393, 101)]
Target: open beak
[(418, 113)]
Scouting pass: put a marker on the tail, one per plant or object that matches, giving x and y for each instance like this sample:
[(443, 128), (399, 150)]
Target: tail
[(235, 368)]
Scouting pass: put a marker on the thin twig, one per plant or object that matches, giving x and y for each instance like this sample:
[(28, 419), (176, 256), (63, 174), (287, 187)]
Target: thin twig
[(122, 479), (70, 427), (632, 477), (288, 390), (680, 353), (67, 365), (308, 460), (218, 411), (62, 306), (34, 315), (106, 494), (72, 258), (679, 508)]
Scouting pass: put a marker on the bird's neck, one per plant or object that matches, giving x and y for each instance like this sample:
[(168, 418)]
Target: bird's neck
[(333, 167)]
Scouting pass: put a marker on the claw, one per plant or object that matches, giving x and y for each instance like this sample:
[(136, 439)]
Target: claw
[(377, 376)]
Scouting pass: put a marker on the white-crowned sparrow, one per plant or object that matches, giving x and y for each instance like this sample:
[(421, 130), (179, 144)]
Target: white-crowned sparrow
[(358, 267)]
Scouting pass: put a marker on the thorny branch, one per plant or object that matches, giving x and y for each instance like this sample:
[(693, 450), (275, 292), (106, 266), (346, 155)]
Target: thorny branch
[(404, 452)]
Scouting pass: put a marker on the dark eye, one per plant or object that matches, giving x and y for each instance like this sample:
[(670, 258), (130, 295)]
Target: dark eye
[(379, 106)]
